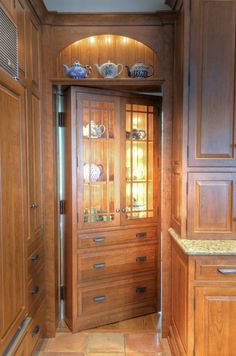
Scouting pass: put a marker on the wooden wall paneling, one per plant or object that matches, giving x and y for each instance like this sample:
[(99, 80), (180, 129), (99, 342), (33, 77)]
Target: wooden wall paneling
[(13, 209), (212, 84), (50, 204), (34, 45), (212, 205)]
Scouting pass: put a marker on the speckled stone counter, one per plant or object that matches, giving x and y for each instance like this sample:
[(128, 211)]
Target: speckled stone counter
[(205, 247)]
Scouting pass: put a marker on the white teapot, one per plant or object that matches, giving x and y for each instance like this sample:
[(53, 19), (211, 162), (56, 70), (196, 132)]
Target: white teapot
[(93, 172), (109, 69), (96, 131)]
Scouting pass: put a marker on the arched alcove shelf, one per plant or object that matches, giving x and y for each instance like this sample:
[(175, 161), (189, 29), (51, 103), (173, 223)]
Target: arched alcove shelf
[(99, 49)]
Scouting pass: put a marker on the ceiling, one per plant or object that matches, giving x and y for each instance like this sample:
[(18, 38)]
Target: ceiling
[(106, 6)]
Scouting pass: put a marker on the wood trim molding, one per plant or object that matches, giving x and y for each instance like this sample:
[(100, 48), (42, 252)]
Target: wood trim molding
[(174, 3), (41, 11), (133, 19)]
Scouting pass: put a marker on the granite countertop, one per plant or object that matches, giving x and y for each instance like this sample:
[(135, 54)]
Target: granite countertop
[(205, 247)]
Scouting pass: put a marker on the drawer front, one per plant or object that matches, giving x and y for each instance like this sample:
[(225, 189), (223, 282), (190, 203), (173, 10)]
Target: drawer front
[(216, 269), (115, 295), (35, 261), (36, 329), (120, 261), (117, 237), (36, 289)]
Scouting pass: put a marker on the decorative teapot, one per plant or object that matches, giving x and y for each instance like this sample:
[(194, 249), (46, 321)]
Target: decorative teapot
[(109, 69), (93, 172), (139, 70), (95, 130), (77, 71)]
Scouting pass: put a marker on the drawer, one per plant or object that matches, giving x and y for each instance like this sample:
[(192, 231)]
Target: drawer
[(35, 261), (36, 289), (216, 269), (107, 238), (103, 264), (107, 297), (36, 329)]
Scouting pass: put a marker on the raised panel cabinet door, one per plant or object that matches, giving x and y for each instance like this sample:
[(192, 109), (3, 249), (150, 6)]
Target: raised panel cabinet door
[(35, 167), (211, 205), (13, 212), (215, 321), (212, 83)]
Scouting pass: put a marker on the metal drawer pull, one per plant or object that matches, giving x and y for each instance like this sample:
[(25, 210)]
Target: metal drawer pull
[(35, 258), (99, 298), (227, 270), (141, 258), (36, 330), (141, 290), (100, 239), (99, 265), (35, 290), (141, 234)]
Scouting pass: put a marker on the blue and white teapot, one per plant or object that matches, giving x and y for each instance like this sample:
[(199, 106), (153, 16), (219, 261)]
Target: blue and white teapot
[(140, 70), (77, 71)]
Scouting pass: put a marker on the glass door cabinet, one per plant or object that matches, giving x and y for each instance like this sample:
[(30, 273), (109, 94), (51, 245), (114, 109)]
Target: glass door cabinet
[(117, 159)]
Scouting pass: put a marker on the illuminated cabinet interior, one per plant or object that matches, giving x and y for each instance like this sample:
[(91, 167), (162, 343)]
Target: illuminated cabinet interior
[(113, 145)]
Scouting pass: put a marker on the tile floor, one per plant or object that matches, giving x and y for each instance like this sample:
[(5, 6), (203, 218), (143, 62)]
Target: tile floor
[(135, 337)]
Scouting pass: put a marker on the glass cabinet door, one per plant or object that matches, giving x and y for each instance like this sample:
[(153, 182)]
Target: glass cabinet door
[(139, 200), (98, 160)]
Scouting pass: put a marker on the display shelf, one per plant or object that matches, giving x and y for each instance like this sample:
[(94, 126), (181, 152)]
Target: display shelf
[(145, 85)]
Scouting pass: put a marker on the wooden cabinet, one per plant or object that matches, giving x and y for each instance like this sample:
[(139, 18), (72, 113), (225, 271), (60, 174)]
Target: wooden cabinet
[(203, 304), (111, 207), (13, 208), (203, 173)]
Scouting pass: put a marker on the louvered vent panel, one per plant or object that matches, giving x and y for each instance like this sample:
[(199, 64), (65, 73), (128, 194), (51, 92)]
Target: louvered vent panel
[(8, 45)]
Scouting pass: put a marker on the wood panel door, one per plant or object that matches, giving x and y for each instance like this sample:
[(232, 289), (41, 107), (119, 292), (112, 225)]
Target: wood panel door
[(13, 211), (212, 83), (215, 321), (35, 167), (211, 205)]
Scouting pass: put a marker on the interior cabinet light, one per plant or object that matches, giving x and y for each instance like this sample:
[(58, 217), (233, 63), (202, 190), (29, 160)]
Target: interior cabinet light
[(92, 40)]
